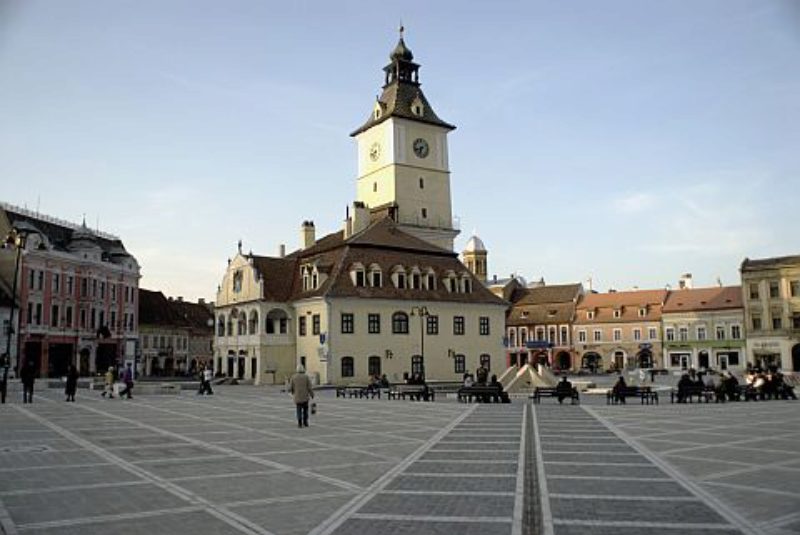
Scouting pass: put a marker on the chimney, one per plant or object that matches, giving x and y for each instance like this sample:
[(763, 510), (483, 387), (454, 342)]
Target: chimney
[(180, 299), (281, 250), (360, 217), (685, 282), (307, 234), (201, 300)]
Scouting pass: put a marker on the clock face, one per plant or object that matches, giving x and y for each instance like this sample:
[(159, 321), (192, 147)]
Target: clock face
[(375, 151), (421, 148)]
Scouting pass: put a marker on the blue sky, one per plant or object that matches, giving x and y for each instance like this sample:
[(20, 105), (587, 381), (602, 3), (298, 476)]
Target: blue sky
[(628, 141)]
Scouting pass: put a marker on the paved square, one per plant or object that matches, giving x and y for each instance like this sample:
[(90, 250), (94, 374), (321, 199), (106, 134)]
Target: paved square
[(237, 463)]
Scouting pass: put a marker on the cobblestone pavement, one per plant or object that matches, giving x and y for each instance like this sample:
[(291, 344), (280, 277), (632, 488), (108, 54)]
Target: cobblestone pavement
[(237, 463)]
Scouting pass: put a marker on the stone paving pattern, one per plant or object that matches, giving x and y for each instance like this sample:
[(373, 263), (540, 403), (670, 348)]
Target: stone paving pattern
[(236, 462)]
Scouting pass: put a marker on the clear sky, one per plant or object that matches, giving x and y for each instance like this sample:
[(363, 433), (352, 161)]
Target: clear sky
[(628, 141)]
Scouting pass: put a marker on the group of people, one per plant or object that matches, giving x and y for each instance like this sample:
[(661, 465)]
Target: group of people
[(480, 379), (758, 383)]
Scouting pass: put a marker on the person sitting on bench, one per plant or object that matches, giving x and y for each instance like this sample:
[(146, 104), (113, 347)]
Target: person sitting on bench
[(685, 385), (564, 389), (619, 389)]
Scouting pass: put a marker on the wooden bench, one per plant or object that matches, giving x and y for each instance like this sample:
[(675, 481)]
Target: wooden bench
[(645, 394), (357, 391), (701, 392), (482, 393), (553, 392), (414, 392)]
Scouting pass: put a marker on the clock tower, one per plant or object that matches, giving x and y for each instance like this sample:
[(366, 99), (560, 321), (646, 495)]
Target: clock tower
[(402, 155)]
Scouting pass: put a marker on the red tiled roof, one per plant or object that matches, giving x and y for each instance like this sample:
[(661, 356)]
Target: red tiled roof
[(628, 303), (697, 299)]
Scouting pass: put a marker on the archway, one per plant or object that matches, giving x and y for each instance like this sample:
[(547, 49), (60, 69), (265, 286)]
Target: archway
[(796, 358), (564, 361), (592, 361), (645, 359)]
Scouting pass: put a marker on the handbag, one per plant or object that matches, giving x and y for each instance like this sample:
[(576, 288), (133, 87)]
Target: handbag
[(314, 407)]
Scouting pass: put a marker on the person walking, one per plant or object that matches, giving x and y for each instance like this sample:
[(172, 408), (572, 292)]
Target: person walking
[(301, 390), (207, 375), (28, 376), (127, 378), (108, 388), (72, 383)]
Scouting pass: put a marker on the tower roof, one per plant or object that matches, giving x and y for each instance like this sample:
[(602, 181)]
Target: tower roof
[(475, 245), (402, 96)]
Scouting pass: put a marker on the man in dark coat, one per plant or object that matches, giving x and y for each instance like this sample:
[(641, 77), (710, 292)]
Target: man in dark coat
[(28, 376)]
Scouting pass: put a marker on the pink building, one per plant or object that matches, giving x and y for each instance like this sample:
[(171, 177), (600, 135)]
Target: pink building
[(78, 295)]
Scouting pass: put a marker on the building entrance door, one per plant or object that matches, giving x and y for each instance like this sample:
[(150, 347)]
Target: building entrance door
[(685, 362), (796, 358), (702, 359), (723, 362)]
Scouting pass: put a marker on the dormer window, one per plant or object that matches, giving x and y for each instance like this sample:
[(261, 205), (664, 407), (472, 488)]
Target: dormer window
[(416, 281), (430, 280), (377, 111), (417, 107), (358, 275), (590, 314), (466, 284), (617, 312), (399, 278), (310, 277), (375, 276), (642, 312)]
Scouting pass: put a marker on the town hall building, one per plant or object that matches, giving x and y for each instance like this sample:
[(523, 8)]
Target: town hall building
[(386, 294)]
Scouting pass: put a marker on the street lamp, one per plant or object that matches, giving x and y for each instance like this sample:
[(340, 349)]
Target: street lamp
[(14, 239), (423, 313)]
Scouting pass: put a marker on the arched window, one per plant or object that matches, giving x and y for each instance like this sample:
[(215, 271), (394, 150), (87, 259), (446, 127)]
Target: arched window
[(253, 324), (466, 284), (348, 367), (242, 325), (221, 325), (230, 326), (523, 336), (486, 361), (400, 323), (374, 366), (512, 338)]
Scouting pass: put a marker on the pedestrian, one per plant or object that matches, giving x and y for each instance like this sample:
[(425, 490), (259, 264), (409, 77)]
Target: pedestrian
[(202, 377), (127, 378), (208, 374), (301, 390), (72, 383), (563, 390), (28, 376), (108, 388)]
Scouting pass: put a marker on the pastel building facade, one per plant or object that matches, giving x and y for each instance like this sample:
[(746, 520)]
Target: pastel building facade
[(771, 295), (620, 330), (78, 295), (704, 328)]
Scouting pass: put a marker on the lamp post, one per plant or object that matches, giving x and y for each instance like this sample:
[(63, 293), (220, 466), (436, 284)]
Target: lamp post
[(422, 312), (15, 239)]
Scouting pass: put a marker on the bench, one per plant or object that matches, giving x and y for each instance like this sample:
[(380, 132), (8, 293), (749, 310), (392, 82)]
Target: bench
[(553, 392), (645, 394), (701, 392), (482, 393), (357, 391), (414, 392)]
